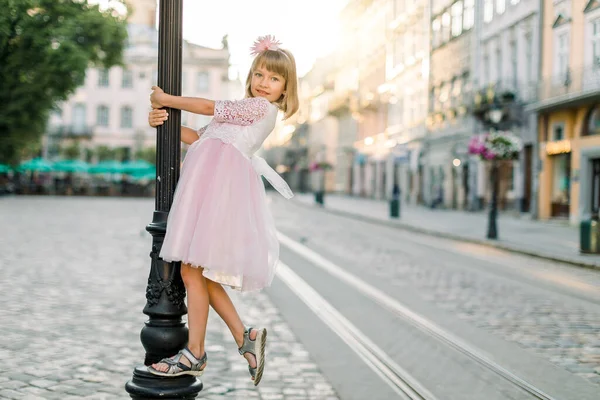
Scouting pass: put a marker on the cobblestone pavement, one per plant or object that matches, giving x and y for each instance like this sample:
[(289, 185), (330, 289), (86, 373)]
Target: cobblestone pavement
[(564, 329), (72, 287)]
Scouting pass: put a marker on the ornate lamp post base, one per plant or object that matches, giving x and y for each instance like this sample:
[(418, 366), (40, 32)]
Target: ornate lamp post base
[(144, 385)]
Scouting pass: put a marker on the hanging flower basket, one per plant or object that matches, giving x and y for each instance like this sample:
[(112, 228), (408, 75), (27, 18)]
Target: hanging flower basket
[(500, 145), (320, 166)]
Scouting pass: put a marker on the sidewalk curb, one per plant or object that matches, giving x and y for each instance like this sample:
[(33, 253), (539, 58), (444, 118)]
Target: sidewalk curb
[(407, 227)]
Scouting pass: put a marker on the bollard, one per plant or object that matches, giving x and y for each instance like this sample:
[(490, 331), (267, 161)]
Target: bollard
[(319, 198), (395, 202), (589, 236)]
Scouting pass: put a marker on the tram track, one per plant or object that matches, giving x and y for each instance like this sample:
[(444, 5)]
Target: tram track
[(393, 374)]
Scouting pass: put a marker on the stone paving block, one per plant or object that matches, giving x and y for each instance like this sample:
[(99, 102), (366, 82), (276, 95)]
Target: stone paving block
[(10, 394), (81, 310)]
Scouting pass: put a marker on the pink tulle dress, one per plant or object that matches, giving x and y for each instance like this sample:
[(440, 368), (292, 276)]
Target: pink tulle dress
[(220, 219)]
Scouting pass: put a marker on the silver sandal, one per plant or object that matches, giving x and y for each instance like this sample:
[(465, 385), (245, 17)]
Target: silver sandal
[(177, 368), (257, 349)]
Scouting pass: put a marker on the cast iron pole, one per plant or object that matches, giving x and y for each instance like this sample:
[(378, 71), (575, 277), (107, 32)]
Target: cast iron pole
[(165, 333)]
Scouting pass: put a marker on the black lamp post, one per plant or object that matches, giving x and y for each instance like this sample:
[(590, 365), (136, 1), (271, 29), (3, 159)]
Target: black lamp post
[(495, 116), (165, 333)]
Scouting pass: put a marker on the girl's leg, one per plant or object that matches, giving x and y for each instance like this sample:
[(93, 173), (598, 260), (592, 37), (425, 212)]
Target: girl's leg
[(197, 302), (222, 304)]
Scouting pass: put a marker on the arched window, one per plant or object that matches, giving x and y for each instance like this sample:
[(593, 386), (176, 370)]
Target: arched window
[(593, 122)]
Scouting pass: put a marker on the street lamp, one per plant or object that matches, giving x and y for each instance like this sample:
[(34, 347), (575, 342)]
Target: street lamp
[(495, 116), (165, 333)]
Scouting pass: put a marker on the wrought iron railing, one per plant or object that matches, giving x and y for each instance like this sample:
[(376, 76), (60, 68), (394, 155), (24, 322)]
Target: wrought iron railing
[(574, 82)]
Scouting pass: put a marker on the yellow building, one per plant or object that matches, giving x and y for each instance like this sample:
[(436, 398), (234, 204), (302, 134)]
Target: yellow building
[(569, 110)]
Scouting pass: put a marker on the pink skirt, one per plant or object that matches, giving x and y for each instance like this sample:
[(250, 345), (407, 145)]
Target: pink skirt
[(220, 220)]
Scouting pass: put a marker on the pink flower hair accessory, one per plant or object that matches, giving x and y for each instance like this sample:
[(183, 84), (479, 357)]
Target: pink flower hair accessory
[(264, 43)]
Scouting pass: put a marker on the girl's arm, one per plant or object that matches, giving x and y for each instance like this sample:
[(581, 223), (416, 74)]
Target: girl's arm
[(188, 135), (196, 105)]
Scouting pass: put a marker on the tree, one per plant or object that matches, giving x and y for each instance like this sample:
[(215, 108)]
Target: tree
[(147, 154), (45, 48), (105, 153), (72, 151)]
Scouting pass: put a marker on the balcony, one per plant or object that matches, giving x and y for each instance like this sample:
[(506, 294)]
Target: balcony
[(577, 86), (72, 131)]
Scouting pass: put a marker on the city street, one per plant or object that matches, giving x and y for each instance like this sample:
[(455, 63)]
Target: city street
[(357, 311)]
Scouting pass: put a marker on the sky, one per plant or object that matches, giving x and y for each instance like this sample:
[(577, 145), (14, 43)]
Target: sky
[(309, 28)]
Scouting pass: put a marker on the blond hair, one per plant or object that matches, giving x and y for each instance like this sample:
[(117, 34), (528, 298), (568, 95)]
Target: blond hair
[(281, 62)]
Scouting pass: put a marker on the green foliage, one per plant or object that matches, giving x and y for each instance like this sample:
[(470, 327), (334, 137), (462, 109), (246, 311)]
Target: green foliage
[(105, 153), (45, 48), (72, 151), (147, 154)]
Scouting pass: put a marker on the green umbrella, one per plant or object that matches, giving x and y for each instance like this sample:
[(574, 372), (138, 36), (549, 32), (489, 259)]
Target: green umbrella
[(71, 166), (107, 167), (138, 166), (146, 172), (36, 164), (4, 168), (147, 175)]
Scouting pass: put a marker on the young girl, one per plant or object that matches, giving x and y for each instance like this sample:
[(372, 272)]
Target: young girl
[(219, 225)]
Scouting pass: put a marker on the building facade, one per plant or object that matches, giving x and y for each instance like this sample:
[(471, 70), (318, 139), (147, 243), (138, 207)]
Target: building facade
[(444, 160), (111, 108), (406, 95), (569, 110), (505, 78)]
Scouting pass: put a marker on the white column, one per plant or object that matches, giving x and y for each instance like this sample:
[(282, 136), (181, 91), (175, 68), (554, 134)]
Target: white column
[(356, 179), (368, 179), (517, 183), (378, 178), (389, 168), (482, 176)]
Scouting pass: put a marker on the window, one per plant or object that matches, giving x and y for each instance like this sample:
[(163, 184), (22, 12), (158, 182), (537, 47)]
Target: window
[(593, 127), (102, 115), (469, 15), (486, 69), (500, 6), (562, 54), (528, 59), (446, 27), (558, 132), (513, 61), (126, 117), (457, 14), (444, 93), (396, 112), (436, 32), (127, 81), (155, 76), (203, 82), (596, 43), (79, 117), (514, 1), (488, 10), (103, 78), (499, 63)]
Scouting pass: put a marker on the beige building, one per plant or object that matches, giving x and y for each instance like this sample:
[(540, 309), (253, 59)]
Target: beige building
[(111, 108), (569, 110), (445, 162), (405, 94)]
